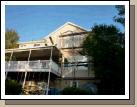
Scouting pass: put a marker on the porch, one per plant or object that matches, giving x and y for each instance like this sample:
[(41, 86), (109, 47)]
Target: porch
[(30, 63), (33, 66)]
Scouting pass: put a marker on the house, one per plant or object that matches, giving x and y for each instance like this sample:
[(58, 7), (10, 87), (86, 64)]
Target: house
[(53, 62)]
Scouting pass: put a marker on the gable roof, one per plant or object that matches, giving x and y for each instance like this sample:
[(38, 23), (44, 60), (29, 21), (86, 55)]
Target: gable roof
[(67, 23)]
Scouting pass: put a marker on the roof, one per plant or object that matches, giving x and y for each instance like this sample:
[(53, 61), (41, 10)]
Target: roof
[(37, 52), (27, 49), (67, 23)]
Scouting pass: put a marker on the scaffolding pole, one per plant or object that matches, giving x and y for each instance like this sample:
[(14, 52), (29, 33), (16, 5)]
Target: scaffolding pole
[(73, 57), (62, 57), (50, 64), (9, 63), (74, 67), (26, 71)]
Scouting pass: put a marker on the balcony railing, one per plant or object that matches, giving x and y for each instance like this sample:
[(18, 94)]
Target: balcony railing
[(34, 66)]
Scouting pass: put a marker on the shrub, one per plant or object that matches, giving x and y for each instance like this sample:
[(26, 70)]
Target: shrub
[(75, 91), (12, 87)]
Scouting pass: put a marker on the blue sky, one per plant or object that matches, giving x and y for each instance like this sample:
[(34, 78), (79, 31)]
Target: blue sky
[(33, 22)]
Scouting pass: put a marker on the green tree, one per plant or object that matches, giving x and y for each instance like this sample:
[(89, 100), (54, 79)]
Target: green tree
[(11, 39), (120, 18), (105, 45)]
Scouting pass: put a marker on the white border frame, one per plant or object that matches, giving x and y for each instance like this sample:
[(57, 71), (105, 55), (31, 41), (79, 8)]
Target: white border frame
[(126, 3)]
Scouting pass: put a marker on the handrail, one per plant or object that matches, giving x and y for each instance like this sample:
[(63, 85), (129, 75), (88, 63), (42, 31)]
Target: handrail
[(32, 65)]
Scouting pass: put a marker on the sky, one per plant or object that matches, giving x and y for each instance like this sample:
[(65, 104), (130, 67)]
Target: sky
[(34, 22)]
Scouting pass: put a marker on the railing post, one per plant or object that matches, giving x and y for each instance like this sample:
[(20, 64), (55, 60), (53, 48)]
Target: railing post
[(9, 64), (26, 71), (50, 64)]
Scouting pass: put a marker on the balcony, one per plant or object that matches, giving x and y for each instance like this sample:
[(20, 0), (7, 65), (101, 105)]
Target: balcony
[(33, 66)]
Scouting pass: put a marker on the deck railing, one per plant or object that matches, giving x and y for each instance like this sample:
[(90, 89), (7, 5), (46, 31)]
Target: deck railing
[(34, 66)]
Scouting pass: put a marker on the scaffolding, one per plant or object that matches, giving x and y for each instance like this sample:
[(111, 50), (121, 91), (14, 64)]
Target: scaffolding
[(74, 63)]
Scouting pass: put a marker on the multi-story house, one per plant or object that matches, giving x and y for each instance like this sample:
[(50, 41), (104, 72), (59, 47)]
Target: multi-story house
[(53, 62)]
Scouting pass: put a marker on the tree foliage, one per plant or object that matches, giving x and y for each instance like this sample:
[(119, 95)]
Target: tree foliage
[(105, 44), (75, 91), (12, 87), (120, 18), (11, 38)]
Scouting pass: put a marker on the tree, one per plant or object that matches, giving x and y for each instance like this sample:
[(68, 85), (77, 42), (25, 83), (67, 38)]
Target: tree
[(121, 14), (106, 47), (11, 38)]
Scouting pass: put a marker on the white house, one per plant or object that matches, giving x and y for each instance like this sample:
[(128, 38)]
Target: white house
[(53, 62)]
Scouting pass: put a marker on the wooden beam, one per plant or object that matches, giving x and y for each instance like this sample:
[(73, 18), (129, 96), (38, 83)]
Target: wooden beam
[(74, 34), (51, 40)]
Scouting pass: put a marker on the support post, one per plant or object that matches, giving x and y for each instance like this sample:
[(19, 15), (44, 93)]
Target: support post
[(9, 64), (62, 67), (62, 58), (26, 71), (50, 64)]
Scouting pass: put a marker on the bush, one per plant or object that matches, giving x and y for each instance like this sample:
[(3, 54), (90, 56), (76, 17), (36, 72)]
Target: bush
[(75, 91), (12, 87)]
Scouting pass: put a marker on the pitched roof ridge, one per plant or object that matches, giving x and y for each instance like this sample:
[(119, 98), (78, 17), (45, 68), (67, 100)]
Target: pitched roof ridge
[(76, 25), (70, 23)]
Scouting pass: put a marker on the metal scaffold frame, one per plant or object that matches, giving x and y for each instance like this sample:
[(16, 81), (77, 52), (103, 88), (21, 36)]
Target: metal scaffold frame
[(74, 63)]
